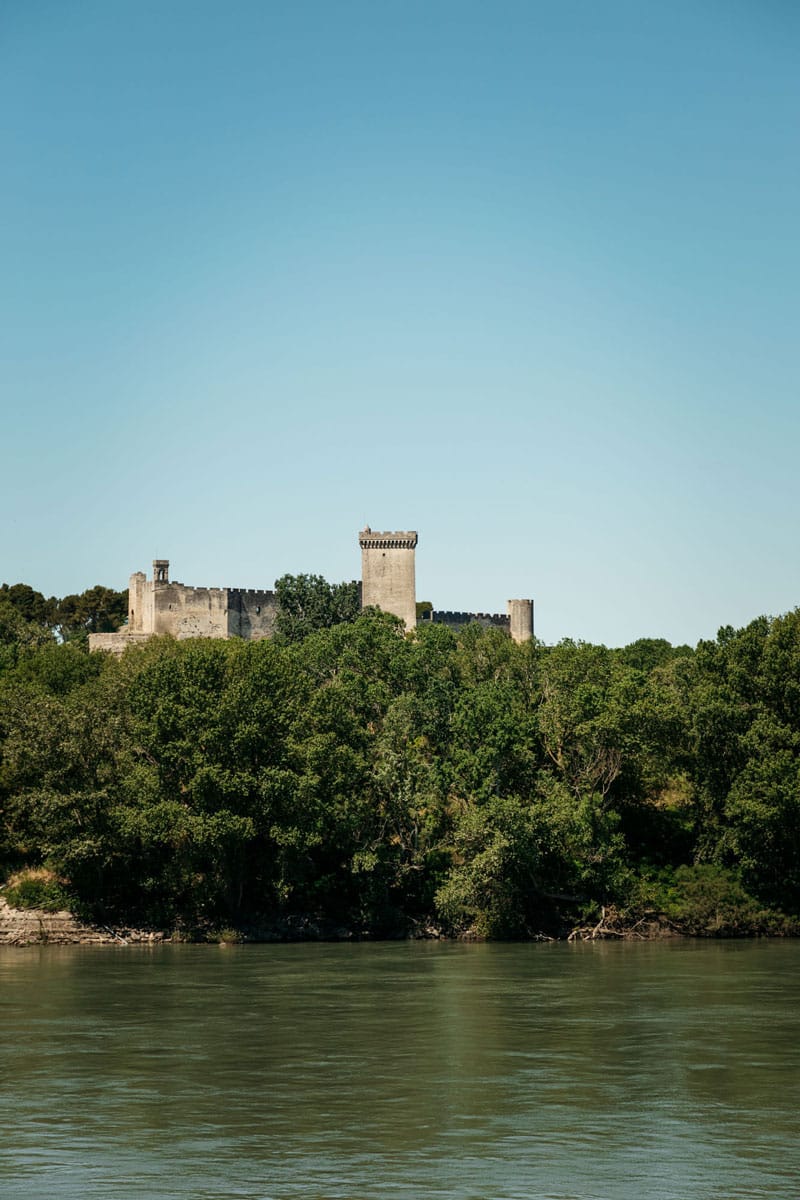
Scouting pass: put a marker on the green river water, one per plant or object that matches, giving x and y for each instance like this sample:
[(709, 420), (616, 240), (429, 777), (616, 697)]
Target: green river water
[(593, 1072)]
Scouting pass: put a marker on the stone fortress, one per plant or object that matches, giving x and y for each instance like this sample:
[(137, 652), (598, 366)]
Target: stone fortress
[(388, 581)]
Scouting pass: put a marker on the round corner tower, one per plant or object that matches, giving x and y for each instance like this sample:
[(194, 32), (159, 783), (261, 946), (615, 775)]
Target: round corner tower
[(388, 578), (520, 620)]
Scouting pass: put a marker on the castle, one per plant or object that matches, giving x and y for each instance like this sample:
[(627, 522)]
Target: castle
[(388, 581)]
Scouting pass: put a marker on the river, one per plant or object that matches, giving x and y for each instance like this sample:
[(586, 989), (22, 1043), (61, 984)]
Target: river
[(646, 1071)]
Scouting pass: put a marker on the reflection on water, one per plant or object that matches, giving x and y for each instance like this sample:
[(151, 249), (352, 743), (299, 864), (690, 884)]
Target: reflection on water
[(599, 1072)]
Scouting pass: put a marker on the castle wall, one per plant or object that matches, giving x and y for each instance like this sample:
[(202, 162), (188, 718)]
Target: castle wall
[(518, 622), (459, 620), (388, 576), (251, 613), (115, 643), (188, 612)]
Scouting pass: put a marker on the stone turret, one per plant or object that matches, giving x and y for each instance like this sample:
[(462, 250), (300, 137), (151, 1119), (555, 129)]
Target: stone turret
[(388, 579), (520, 620), (138, 602)]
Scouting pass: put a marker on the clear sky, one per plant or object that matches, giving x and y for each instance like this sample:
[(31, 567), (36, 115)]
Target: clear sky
[(520, 275)]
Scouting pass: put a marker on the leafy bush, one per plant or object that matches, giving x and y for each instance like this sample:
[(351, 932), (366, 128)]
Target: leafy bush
[(712, 901), (37, 887)]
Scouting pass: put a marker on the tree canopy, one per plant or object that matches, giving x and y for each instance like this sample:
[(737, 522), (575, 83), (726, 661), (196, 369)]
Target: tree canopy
[(308, 602), (97, 610), (348, 773)]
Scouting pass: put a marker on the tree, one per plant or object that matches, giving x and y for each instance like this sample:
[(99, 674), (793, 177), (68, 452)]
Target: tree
[(208, 776), (97, 610), (17, 634), (648, 653), (307, 603), (30, 604), (578, 718)]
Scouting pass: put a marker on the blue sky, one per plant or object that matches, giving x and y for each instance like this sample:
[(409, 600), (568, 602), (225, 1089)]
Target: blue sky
[(521, 276)]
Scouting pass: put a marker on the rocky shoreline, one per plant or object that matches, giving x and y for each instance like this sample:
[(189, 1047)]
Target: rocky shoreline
[(37, 927)]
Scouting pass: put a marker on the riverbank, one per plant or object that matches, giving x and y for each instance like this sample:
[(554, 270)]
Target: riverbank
[(36, 926)]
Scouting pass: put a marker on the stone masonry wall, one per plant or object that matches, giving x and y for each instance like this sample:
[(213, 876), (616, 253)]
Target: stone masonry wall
[(115, 643), (458, 620), (388, 578), (251, 613), (139, 599), (32, 926), (190, 611), (520, 617)]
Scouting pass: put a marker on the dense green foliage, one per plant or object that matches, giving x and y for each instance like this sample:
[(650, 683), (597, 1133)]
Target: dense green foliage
[(308, 602), (348, 773), (28, 617)]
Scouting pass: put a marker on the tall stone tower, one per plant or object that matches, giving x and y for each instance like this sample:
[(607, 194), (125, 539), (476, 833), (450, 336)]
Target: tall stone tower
[(387, 573)]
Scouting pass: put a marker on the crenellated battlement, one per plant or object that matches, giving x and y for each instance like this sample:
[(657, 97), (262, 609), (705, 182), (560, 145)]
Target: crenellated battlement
[(199, 588), (255, 593), (369, 539), (459, 619), (265, 594)]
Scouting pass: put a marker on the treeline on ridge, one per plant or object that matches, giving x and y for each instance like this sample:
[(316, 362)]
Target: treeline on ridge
[(28, 618), (346, 774)]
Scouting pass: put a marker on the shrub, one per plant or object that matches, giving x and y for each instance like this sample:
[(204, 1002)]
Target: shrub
[(37, 887), (711, 901)]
